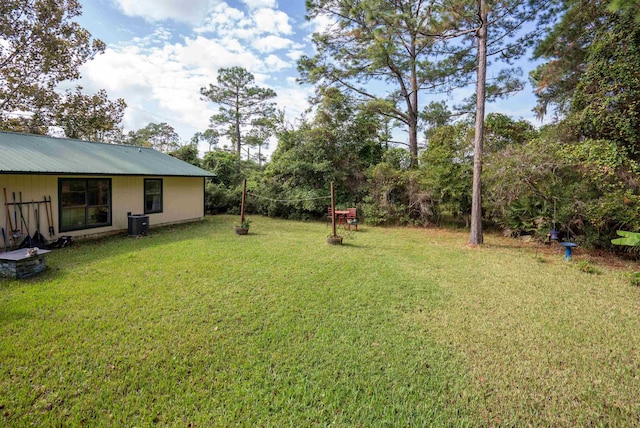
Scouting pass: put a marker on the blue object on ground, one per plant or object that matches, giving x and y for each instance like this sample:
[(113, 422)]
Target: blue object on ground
[(568, 246)]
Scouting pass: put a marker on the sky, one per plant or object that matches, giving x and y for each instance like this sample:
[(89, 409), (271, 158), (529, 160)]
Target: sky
[(161, 52)]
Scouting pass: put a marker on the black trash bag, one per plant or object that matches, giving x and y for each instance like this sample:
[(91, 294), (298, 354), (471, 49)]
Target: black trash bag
[(61, 242)]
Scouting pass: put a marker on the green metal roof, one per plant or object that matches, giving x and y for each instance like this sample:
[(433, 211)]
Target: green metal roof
[(37, 154)]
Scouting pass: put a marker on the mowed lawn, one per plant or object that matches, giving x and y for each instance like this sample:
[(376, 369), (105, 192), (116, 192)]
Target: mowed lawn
[(196, 326)]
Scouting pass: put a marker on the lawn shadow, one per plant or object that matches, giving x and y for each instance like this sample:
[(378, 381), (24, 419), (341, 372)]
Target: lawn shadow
[(106, 247), (13, 315), (353, 244)]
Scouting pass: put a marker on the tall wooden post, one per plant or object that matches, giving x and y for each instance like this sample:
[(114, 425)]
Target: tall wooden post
[(244, 193), (333, 211)]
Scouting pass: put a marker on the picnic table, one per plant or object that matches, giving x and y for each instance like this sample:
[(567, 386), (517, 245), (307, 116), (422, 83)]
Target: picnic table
[(347, 217), (341, 216), (20, 264)]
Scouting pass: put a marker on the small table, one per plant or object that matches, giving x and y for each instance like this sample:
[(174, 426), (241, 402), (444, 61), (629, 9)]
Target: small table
[(19, 264), (341, 216)]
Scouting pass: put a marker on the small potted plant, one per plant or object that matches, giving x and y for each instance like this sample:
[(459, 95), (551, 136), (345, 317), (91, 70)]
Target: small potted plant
[(243, 229)]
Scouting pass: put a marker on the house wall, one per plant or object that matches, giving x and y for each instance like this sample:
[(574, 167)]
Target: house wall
[(183, 201)]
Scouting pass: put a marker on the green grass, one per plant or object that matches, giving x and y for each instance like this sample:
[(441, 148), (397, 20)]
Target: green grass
[(195, 325)]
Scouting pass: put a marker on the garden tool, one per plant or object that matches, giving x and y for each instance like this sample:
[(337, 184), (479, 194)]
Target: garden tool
[(15, 233), (49, 209), (6, 206), (38, 240), (27, 241)]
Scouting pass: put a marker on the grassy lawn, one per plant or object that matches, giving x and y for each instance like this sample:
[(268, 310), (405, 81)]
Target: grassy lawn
[(195, 325)]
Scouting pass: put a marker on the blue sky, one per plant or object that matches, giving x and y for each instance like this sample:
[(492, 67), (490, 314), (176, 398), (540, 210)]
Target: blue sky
[(161, 52)]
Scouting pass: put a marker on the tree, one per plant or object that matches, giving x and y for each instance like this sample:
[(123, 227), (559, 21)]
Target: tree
[(376, 44), (605, 101), (447, 166), (91, 117), (494, 28), (239, 103), (630, 6), (263, 129), (501, 131), (159, 136), (210, 136), (407, 44), (40, 46), (187, 153), (339, 144), (564, 46), (476, 235), (225, 165)]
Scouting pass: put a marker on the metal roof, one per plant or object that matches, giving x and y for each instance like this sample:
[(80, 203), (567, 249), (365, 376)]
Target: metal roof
[(38, 154)]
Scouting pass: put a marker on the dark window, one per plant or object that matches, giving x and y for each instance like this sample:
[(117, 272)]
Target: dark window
[(84, 203), (152, 195)]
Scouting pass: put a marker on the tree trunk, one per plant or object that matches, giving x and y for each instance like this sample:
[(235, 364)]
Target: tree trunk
[(476, 236), (413, 110), (413, 140), (237, 126)]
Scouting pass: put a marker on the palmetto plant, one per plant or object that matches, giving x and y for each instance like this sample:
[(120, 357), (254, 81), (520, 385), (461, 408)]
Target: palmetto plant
[(631, 239)]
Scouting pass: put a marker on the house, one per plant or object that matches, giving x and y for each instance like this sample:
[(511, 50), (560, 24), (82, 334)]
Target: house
[(93, 187)]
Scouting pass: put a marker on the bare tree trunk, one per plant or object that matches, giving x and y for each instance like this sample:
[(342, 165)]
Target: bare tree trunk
[(413, 111), (237, 127), (413, 140), (476, 236)]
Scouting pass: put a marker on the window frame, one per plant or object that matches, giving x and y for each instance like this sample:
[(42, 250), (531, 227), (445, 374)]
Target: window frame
[(161, 208), (87, 206)]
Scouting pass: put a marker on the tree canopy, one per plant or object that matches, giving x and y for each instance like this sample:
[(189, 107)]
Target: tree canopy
[(160, 136), (40, 46), (90, 117), (382, 54)]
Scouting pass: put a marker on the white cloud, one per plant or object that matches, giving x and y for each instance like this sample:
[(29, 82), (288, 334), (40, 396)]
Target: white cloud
[(167, 80), (272, 21), (320, 24), (295, 54), (293, 99), (271, 43), (274, 63), (222, 19), (189, 11)]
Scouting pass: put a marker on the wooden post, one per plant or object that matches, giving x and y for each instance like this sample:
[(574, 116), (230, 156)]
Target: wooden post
[(244, 193), (333, 211)]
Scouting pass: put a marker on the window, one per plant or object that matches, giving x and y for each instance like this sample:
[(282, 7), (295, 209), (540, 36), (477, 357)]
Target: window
[(152, 195), (84, 203)]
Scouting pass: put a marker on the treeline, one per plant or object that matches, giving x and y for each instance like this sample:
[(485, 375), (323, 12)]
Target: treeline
[(578, 175), (371, 71)]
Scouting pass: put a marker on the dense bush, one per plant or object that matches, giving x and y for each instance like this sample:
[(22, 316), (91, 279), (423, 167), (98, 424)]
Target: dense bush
[(397, 195)]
